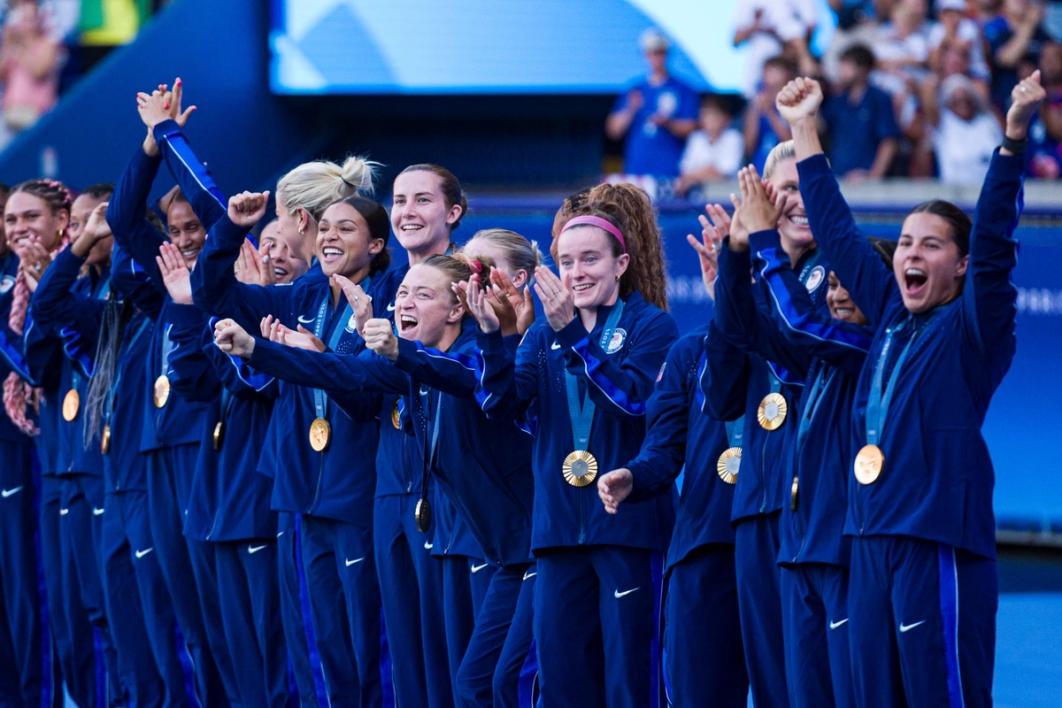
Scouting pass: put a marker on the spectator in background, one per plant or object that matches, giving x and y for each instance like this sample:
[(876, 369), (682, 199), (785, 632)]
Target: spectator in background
[(901, 47), (764, 127), (714, 152), (1045, 139), (955, 32), (1014, 39), (770, 28), (29, 68), (1051, 65), (862, 128), (656, 115), (964, 132)]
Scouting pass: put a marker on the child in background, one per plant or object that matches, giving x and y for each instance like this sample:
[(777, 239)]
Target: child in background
[(713, 152)]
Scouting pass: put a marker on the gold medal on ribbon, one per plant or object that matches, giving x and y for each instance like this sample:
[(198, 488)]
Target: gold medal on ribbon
[(422, 515), (105, 440), (772, 411), (71, 404), (728, 464), (320, 434), (579, 468), (868, 464), (219, 431), (396, 417), (793, 494), (160, 392)]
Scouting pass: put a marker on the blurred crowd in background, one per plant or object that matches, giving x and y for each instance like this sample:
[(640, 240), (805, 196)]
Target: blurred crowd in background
[(45, 45), (917, 88)]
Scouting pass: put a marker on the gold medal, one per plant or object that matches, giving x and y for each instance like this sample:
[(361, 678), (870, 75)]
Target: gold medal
[(728, 464), (71, 404), (219, 431), (793, 492), (772, 411), (105, 440), (320, 434), (868, 464), (396, 417), (579, 468), (160, 393), (422, 515)]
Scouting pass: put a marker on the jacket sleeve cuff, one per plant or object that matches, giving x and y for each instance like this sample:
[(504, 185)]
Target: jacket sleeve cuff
[(165, 129), (762, 240)]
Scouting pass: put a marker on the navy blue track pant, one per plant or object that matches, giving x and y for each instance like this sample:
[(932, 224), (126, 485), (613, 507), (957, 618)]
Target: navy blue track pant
[(703, 657), (411, 589), (298, 629), (760, 607), (595, 626), (922, 623), (188, 570), (345, 605), (20, 610)]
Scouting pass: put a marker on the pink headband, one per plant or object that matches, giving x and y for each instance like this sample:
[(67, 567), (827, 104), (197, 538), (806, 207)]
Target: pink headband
[(599, 223)]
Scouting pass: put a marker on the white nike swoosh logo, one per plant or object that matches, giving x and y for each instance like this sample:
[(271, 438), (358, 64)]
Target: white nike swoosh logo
[(428, 545), (909, 627), (279, 534), (477, 568), (352, 562), (530, 574), (391, 307), (96, 511), (255, 549), (141, 554), (64, 512), (305, 320), (625, 593), (10, 492), (555, 346), (835, 625)]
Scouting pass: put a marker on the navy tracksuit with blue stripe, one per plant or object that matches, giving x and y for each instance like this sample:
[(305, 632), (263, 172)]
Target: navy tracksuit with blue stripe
[(814, 553), (169, 438), (72, 306), (492, 497), (233, 509), (923, 589), (595, 591), (701, 634), (20, 613), (332, 489), (742, 318)]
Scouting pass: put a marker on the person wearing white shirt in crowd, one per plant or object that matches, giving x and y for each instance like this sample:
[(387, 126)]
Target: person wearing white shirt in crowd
[(714, 151), (957, 31), (965, 131), (768, 28)]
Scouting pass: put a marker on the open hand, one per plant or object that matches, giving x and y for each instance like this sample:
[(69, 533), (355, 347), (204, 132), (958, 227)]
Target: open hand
[(276, 331), (360, 301), (707, 247), (614, 487), (556, 298), (252, 268), (758, 211), (519, 300), (175, 275)]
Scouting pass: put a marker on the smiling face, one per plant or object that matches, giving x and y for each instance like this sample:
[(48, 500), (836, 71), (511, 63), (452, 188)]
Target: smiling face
[(283, 251), (420, 215), (185, 230), (793, 225), (928, 265), (840, 303), (589, 268), (27, 217), (344, 244), (425, 306)]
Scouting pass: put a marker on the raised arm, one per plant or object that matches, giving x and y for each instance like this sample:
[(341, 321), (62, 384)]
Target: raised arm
[(127, 215), (989, 295), (215, 288), (724, 378), (795, 315), (851, 256), (193, 374)]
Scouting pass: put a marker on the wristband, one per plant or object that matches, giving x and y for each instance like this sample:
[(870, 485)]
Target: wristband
[(1015, 146)]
